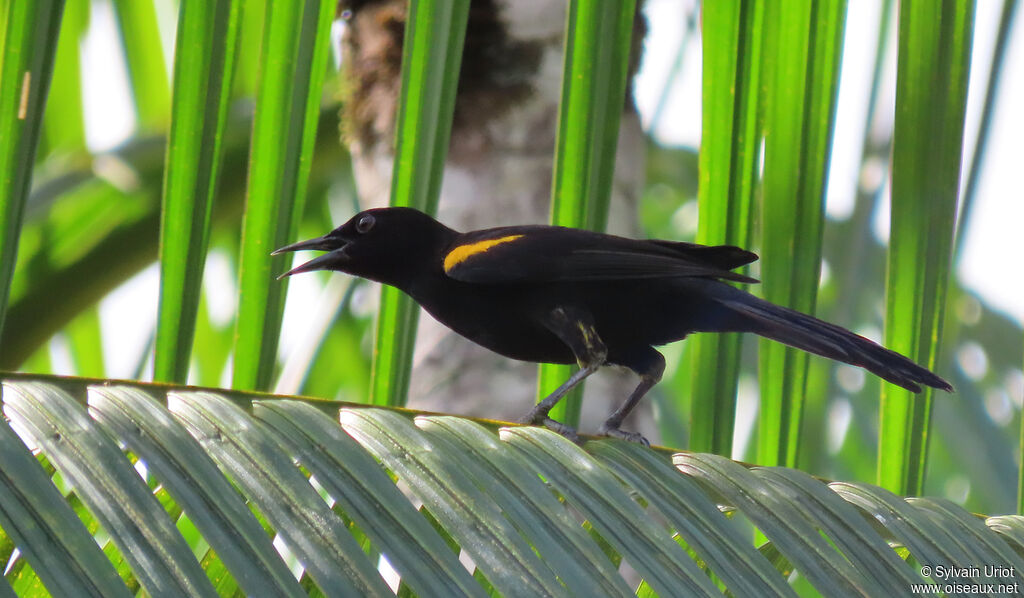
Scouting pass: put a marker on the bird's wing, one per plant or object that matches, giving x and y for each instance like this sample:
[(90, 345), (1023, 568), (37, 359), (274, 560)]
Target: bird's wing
[(537, 254), (725, 257)]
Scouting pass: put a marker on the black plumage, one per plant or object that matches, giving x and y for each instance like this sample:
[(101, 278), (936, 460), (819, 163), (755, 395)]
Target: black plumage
[(560, 295)]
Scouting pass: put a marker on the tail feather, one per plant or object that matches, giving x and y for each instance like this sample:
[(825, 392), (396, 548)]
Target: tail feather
[(828, 340)]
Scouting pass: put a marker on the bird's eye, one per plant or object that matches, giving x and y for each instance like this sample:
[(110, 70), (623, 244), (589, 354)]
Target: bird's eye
[(365, 223)]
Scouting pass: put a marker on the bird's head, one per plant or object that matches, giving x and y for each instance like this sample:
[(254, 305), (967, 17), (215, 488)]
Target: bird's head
[(381, 244)]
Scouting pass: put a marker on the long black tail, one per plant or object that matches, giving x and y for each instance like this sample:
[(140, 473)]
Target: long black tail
[(828, 340)]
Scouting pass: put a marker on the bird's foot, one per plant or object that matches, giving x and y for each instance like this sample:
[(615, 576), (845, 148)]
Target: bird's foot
[(567, 431), (539, 417), (616, 432), (535, 416)]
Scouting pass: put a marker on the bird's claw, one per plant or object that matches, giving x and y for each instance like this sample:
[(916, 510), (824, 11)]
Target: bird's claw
[(567, 431), (534, 417), (613, 432), (539, 417)]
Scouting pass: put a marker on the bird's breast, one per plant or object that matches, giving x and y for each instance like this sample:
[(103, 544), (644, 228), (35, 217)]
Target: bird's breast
[(506, 319)]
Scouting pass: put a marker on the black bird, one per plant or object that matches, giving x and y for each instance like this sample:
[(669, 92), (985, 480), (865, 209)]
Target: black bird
[(561, 295)]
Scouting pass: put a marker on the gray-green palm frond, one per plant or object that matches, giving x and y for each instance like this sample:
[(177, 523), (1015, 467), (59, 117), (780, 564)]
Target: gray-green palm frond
[(180, 490)]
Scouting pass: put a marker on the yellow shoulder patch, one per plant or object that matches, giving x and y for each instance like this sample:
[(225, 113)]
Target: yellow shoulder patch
[(463, 252)]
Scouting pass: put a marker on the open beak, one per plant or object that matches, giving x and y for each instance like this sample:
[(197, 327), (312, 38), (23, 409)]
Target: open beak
[(335, 256)]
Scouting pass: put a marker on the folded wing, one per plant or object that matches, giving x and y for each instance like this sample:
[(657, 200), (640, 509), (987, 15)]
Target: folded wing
[(535, 254)]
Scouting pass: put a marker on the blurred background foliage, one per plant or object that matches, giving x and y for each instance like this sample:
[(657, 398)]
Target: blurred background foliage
[(86, 276)]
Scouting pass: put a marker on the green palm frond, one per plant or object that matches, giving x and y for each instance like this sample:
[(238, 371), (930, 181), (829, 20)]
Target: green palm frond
[(205, 492)]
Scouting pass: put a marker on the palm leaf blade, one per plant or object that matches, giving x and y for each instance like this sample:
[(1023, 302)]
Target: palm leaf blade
[(108, 484), (255, 461), (696, 518), (514, 504), (612, 512), (368, 495), (783, 523), (42, 524), (540, 517), (455, 500), (192, 478)]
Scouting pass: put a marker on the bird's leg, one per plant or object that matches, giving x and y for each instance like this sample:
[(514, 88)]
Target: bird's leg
[(576, 329), (539, 413), (650, 365)]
